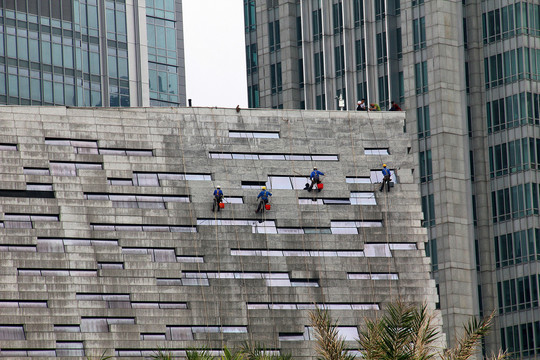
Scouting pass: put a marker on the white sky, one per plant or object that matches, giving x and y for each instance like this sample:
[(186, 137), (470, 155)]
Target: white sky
[(215, 54)]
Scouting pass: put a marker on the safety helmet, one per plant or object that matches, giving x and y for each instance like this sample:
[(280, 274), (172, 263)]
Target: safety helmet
[(219, 187), (384, 165), (314, 168), (264, 187)]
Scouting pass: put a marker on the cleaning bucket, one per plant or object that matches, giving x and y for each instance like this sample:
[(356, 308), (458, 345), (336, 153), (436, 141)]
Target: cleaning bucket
[(221, 205), (267, 206), (320, 186)]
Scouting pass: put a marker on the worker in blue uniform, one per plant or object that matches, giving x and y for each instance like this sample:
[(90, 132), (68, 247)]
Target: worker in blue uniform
[(315, 178), (386, 178), (218, 198), (263, 199)]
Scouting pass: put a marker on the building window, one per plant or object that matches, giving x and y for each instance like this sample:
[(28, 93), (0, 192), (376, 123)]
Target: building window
[(249, 15), (516, 248), (301, 72), (253, 96), (518, 294), (512, 20), (275, 77), (358, 9), (379, 9), (514, 202), (360, 53), (421, 77), (383, 91), (401, 87), (337, 12), (317, 25), (419, 33), (320, 102), (399, 44), (512, 111), (299, 30), (361, 91), (422, 117), (381, 48), (252, 60), (428, 207), (465, 39), (274, 37), (426, 169), (339, 60), (319, 67), (514, 156), (416, 2), (431, 252)]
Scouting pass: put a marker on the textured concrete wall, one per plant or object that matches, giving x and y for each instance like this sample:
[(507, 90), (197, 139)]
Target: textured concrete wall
[(108, 241)]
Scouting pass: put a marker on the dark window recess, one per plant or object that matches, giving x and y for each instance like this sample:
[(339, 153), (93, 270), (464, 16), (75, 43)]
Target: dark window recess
[(27, 194), (8, 147), (248, 183)]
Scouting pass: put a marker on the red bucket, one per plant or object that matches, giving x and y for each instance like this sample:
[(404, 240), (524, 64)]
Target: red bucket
[(267, 206), (320, 186), (221, 205)]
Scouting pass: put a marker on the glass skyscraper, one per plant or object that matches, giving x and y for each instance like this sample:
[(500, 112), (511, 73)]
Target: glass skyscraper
[(468, 75), (91, 53)]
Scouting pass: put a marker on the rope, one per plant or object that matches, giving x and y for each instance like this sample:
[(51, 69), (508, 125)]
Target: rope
[(190, 207), (270, 295), (387, 227)]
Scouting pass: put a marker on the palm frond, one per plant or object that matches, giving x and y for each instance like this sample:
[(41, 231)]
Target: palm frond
[(404, 332), (199, 354), (161, 355), (231, 355), (466, 345), (102, 357), (330, 345), (501, 355)]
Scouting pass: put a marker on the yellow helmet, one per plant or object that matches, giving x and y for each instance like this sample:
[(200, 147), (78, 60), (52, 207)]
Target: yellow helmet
[(384, 165), (264, 187)]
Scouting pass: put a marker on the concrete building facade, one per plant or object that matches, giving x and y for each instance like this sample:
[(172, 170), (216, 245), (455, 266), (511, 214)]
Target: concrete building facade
[(467, 74), (108, 241), (92, 53)]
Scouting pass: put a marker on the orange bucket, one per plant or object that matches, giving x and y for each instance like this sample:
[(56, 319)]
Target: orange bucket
[(221, 205), (267, 206), (320, 186)]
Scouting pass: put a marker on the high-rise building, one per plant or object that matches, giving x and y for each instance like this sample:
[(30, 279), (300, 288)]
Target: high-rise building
[(468, 75), (109, 244), (92, 52)]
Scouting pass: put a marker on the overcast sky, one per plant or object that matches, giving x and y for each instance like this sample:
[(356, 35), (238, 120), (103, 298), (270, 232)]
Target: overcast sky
[(214, 47)]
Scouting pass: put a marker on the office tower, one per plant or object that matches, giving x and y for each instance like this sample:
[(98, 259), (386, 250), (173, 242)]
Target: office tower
[(467, 74), (109, 243), (92, 53)]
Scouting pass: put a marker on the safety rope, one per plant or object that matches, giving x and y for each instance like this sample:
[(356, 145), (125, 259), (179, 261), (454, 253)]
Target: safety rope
[(266, 240), (220, 143), (386, 223), (320, 261), (352, 131), (268, 280), (193, 220)]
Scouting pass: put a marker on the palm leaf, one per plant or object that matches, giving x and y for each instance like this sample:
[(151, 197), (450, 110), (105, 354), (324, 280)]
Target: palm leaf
[(466, 345), (330, 346)]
